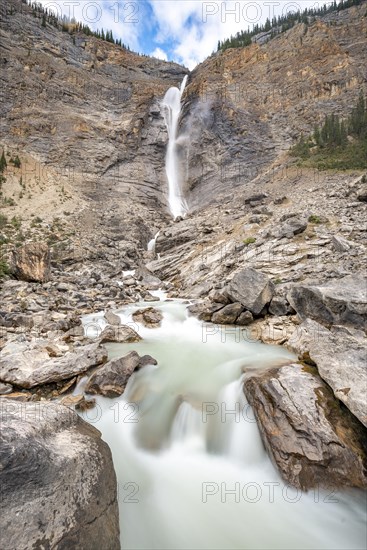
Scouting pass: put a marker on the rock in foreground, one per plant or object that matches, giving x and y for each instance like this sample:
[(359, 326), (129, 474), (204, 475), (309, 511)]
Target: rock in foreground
[(111, 379), (312, 438), (340, 355), (58, 485), (28, 367)]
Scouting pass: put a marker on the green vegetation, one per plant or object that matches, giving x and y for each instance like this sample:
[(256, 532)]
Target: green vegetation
[(70, 25), (249, 240), (3, 163), (15, 162), (278, 281), (282, 24), (16, 222), (4, 268), (314, 219), (339, 144), (3, 221)]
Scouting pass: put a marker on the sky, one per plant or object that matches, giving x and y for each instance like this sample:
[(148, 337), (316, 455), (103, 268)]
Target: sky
[(185, 31)]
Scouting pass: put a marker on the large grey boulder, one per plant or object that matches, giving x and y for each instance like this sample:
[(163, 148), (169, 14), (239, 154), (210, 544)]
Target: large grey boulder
[(57, 482), (310, 436), (341, 301), (111, 379), (340, 355), (228, 315), (27, 367), (252, 289)]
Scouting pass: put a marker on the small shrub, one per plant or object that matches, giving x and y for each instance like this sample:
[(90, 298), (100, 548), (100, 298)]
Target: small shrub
[(314, 219), (4, 268), (16, 222), (3, 221), (249, 240)]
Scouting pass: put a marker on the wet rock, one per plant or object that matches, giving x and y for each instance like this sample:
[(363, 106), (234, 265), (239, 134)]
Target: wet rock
[(340, 355), (252, 289), (311, 437), (27, 367), (341, 301), (31, 262), (149, 317), (204, 311), (119, 334), (58, 485), (228, 315), (112, 318), (111, 379)]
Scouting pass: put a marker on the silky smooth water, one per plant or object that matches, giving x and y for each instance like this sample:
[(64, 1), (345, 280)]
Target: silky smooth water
[(172, 108), (192, 471)]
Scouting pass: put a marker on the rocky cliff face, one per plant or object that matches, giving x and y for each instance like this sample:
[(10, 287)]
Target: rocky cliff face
[(84, 117), (244, 107)]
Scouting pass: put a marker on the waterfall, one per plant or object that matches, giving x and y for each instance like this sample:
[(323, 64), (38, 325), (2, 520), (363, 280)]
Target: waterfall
[(188, 455), (172, 110), (151, 244)]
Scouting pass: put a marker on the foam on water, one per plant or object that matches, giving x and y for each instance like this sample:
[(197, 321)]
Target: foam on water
[(191, 467)]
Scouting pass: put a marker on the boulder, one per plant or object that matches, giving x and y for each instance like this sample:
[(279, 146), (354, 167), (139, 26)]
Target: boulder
[(252, 289), (312, 438), (204, 311), (119, 334), (279, 307), (293, 226), (228, 315), (31, 262), (27, 367), (111, 379), (112, 318), (149, 317), (58, 485), (341, 301), (340, 355), (245, 319)]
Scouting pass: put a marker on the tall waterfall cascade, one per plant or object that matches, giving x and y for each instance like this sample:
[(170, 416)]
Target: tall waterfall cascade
[(172, 109)]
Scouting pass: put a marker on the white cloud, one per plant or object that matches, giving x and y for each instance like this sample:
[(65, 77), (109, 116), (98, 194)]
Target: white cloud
[(159, 54), (188, 29), (196, 26)]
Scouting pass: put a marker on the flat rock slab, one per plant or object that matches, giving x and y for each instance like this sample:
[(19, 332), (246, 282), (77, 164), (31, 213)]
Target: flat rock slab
[(342, 301), (312, 438), (111, 379), (57, 482), (29, 367), (340, 355)]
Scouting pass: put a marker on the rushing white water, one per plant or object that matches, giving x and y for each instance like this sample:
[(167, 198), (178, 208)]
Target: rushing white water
[(191, 468), (151, 244), (172, 109)]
